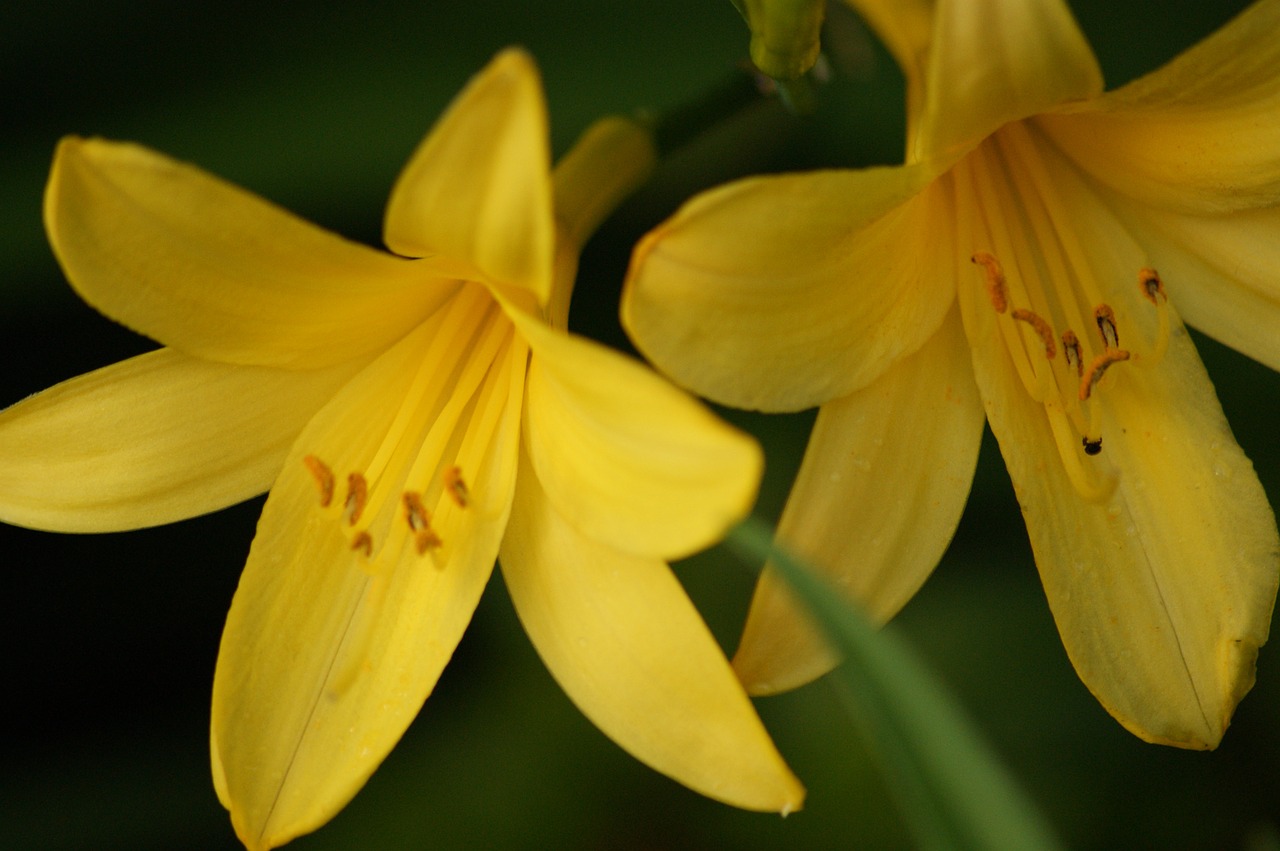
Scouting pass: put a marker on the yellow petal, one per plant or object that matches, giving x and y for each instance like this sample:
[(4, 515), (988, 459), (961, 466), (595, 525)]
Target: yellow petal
[(478, 189), (1201, 134), (626, 457), (783, 293), (154, 439), (884, 480), (624, 642), (1163, 590), (334, 641), (1222, 271), (995, 61), (217, 272)]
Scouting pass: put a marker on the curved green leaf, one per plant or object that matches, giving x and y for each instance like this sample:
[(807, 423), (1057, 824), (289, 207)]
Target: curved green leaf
[(952, 791)]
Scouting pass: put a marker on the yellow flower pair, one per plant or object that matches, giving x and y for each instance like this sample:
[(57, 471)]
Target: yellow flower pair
[(413, 419)]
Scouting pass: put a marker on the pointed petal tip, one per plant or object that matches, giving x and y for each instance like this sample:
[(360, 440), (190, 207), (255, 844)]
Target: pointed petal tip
[(478, 188), (625, 643), (515, 59), (794, 798), (780, 649), (766, 677), (1204, 728)]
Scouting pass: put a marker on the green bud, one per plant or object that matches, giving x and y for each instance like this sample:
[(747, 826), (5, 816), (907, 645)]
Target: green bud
[(784, 34)]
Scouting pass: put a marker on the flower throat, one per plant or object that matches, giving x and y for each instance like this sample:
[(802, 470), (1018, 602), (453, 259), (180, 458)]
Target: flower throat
[(1070, 387)]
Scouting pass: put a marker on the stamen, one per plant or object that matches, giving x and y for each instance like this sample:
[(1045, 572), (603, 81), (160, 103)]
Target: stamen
[(415, 512), (1071, 350), (1041, 327), (1035, 378), (323, 476), (1153, 289), (1106, 319), (1098, 368), (456, 487), (357, 497), (1152, 286), (424, 538), (363, 542), (1091, 486), (996, 290)]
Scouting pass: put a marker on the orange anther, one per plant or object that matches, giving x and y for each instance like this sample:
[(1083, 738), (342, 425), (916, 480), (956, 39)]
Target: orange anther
[(1151, 285), (1071, 350), (456, 487), (1041, 327), (1098, 368), (425, 540), (1106, 319), (357, 497), (362, 542), (323, 476), (419, 519), (995, 280), (415, 512)]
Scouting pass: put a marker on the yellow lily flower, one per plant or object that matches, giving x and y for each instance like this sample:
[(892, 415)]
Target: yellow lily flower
[(1009, 270), (411, 417)]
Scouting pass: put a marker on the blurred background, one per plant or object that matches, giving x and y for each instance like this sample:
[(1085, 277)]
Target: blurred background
[(111, 639)]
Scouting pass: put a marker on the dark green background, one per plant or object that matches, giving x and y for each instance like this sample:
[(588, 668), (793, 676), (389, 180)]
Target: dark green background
[(110, 640)]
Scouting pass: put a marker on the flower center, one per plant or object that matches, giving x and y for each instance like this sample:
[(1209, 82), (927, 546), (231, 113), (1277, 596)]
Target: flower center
[(1049, 302), (408, 486), (415, 515), (1069, 387)]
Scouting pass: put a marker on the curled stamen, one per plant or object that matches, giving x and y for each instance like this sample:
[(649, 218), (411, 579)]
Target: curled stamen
[(357, 497), (363, 542), (1071, 350), (456, 487), (1106, 319), (1041, 327), (1151, 285), (995, 280), (1098, 368), (323, 476)]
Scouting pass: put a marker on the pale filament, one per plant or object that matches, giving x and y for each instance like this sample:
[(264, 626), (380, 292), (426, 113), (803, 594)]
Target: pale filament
[(1152, 288), (1062, 411)]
